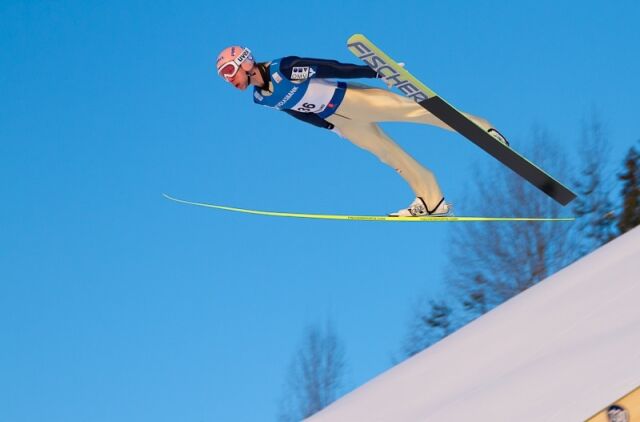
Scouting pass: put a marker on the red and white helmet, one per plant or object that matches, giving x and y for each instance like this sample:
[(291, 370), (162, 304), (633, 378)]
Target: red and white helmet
[(231, 59)]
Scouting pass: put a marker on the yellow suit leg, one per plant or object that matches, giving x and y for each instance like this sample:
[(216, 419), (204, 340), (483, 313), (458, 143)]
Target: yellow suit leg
[(380, 105), (356, 119), (370, 137)]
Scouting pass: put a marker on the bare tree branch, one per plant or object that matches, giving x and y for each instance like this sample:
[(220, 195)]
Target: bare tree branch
[(490, 263), (316, 374)]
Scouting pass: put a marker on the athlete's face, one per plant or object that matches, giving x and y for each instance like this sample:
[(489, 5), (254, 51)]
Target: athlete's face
[(240, 80)]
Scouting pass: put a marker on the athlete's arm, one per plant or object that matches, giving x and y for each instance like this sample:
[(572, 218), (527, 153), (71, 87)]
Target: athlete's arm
[(298, 68), (311, 118)]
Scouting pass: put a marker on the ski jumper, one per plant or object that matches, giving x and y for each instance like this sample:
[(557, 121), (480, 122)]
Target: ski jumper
[(300, 87)]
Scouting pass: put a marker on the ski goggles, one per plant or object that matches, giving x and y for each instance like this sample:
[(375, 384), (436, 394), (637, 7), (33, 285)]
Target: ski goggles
[(229, 69)]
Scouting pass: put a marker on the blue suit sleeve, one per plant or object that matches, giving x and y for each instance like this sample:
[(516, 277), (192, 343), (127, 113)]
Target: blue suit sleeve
[(298, 68)]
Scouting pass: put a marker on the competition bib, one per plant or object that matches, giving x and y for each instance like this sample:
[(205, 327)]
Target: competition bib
[(317, 97)]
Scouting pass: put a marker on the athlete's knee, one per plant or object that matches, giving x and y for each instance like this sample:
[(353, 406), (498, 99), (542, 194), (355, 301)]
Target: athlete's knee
[(480, 121)]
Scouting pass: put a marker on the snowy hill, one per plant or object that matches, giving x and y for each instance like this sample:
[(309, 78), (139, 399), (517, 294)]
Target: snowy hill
[(561, 351)]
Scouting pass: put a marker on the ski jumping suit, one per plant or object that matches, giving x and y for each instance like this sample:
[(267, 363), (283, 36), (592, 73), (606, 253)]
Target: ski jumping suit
[(300, 87)]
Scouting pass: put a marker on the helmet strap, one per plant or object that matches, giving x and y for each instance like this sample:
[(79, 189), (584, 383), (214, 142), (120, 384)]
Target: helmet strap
[(266, 78), (260, 68)]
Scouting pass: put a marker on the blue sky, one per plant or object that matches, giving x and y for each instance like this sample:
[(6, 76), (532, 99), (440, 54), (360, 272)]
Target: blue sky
[(116, 304)]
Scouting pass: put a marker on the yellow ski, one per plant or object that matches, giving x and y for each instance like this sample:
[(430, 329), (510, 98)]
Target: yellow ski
[(363, 217)]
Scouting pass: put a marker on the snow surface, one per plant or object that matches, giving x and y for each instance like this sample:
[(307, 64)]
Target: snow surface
[(561, 351)]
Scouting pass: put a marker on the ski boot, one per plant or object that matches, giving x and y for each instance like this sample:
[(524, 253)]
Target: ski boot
[(418, 208), (494, 132)]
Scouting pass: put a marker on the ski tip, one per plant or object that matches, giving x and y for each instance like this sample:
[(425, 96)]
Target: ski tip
[(170, 198), (355, 37)]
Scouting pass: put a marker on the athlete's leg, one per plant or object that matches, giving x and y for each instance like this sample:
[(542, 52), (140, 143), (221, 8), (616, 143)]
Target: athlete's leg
[(371, 138), (380, 105)]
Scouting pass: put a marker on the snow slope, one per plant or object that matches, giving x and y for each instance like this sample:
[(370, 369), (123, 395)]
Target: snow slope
[(560, 351)]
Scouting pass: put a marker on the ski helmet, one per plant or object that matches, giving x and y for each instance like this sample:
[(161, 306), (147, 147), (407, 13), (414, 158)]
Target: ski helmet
[(231, 59)]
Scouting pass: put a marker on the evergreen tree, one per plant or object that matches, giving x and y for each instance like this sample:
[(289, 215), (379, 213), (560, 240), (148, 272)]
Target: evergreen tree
[(630, 215), (429, 324), (596, 220)]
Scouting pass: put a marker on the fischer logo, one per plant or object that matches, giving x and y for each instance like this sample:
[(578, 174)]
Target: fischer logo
[(287, 97), (378, 64)]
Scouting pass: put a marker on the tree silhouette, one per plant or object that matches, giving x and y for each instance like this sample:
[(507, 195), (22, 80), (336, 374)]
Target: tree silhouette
[(630, 215), (316, 374)]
